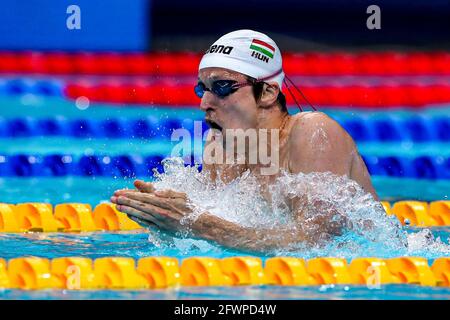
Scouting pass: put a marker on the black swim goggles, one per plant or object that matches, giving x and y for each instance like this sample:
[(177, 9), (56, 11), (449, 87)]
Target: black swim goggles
[(221, 88)]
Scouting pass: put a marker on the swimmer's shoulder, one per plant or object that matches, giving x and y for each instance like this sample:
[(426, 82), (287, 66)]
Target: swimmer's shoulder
[(311, 131), (303, 124), (306, 117)]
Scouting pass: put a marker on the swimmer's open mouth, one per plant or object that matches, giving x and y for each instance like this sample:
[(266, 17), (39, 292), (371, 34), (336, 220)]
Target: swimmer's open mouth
[(213, 125)]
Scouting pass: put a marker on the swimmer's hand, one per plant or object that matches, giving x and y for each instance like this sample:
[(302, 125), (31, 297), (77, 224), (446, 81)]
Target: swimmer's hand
[(146, 187), (163, 208), (141, 186), (166, 208)]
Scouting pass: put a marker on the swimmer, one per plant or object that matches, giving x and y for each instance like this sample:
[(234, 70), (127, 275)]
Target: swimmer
[(240, 83)]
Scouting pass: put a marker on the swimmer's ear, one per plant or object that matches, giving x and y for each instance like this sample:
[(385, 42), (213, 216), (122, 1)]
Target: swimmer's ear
[(143, 186), (269, 94)]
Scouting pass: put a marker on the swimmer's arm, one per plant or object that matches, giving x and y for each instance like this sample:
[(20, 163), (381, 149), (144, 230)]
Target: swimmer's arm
[(229, 234)]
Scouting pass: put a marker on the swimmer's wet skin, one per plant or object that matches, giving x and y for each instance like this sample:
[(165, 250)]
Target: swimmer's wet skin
[(238, 90)]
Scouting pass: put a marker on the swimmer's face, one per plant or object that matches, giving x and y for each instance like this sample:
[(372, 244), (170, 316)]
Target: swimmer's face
[(235, 111)]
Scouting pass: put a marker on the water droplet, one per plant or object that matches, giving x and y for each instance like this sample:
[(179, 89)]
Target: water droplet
[(82, 103)]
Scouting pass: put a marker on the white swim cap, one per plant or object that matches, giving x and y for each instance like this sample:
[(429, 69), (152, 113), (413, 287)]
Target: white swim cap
[(248, 52)]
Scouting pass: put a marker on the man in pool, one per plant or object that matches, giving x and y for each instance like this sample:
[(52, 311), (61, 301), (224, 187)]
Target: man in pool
[(240, 82)]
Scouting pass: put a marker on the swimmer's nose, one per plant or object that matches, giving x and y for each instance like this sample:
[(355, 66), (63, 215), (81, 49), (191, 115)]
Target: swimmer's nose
[(207, 102)]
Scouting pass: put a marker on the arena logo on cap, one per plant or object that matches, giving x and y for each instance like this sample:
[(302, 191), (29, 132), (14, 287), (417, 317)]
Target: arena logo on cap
[(219, 49), (265, 50)]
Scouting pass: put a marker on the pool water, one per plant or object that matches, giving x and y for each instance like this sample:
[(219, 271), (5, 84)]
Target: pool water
[(94, 190), (137, 245), (392, 292)]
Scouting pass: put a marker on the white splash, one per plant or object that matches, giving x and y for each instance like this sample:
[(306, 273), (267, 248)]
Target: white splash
[(365, 229)]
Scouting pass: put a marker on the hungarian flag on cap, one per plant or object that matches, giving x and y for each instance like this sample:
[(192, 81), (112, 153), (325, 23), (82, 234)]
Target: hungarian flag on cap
[(262, 47)]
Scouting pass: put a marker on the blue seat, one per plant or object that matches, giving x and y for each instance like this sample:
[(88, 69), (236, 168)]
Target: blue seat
[(140, 169), (5, 167), (141, 129), (418, 129), (83, 128), (388, 129), (43, 87), (25, 165), (21, 127), (146, 128), (396, 167), (169, 126), (436, 167), (122, 166), (425, 168), (442, 127), (3, 127), (20, 86), (194, 126), (152, 162), (48, 88), (90, 166), (158, 130), (113, 128), (3, 87), (187, 124), (58, 165), (358, 129), (51, 127), (446, 169)]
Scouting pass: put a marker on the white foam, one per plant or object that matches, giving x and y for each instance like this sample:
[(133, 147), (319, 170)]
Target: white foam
[(367, 230)]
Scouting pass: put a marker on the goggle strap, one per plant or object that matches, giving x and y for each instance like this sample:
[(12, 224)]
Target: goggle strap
[(293, 96), (299, 91), (285, 80), (269, 76), (240, 85)]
